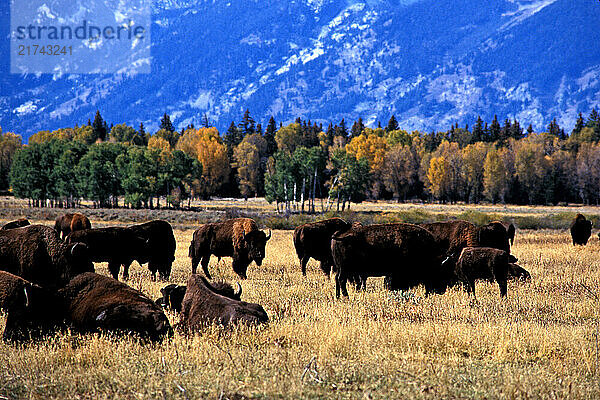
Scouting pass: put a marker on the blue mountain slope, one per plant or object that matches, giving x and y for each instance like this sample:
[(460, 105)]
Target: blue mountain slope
[(432, 63)]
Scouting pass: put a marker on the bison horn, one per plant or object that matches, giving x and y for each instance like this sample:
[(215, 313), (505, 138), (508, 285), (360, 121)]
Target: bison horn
[(238, 293), (243, 234), (26, 297), (269, 235)]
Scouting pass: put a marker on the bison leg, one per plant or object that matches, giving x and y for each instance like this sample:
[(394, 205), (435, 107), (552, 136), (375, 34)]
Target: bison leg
[(126, 270), (303, 262), (325, 267), (195, 262), (502, 285), (114, 268), (205, 260)]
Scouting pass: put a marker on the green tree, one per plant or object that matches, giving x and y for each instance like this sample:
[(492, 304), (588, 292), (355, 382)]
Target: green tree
[(166, 124), (400, 171), (98, 176), (99, 128), (350, 180), (270, 137)]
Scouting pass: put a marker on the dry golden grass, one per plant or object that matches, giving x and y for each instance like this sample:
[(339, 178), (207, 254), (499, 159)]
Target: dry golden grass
[(541, 342)]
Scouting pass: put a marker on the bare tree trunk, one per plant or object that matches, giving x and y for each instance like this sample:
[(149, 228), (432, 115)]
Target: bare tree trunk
[(314, 190), (303, 190)]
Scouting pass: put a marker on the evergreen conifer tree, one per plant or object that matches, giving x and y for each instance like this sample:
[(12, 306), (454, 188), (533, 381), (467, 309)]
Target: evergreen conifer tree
[(392, 124), (165, 123), (270, 136), (99, 127)]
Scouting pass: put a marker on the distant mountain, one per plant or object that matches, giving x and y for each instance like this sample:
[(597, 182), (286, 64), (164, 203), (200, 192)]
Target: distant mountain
[(431, 63)]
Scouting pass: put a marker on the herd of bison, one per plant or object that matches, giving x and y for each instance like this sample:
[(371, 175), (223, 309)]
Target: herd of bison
[(48, 284)]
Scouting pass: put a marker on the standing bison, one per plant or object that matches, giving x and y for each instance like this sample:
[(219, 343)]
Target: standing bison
[(37, 254), (68, 223), (581, 230), (483, 263), (19, 223), (203, 304), (453, 236), (115, 245), (238, 238), (161, 246), (314, 240), (98, 303), (406, 254), (32, 311)]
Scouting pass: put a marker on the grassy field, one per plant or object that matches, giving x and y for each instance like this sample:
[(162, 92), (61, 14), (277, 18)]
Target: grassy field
[(543, 341)]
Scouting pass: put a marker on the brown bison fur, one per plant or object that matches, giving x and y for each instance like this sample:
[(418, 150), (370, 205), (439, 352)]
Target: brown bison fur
[(172, 295), (32, 311), (482, 263), (37, 254), (453, 236), (581, 230), (19, 223), (238, 238), (98, 303), (115, 245), (313, 240), (517, 272), (71, 222), (161, 246), (406, 254), (203, 304)]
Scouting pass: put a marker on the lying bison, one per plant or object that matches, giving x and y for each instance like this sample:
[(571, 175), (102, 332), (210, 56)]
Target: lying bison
[(161, 246), (581, 230), (115, 245), (71, 222), (453, 236), (96, 303), (172, 295), (204, 304), (32, 311), (483, 263), (406, 254), (313, 240), (19, 223), (238, 238), (37, 254)]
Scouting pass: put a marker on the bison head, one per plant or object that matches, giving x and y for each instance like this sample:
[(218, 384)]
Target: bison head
[(255, 242), (172, 297), (75, 260)]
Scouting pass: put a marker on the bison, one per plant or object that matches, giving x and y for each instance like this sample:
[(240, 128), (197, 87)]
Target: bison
[(314, 240), (71, 222), (204, 304), (37, 254), (32, 311), (406, 254), (453, 236), (581, 230), (161, 246), (19, 223), (238, 238), (483, 263), (115, 245), (172, 295), (96, 303)]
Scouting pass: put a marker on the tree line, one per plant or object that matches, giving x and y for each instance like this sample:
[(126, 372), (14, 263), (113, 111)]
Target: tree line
[(304, 166)]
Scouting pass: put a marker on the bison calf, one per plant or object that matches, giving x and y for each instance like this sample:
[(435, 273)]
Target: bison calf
[(99, 303), (172, 295), (204, 304), (32, 311), (483, 263)]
